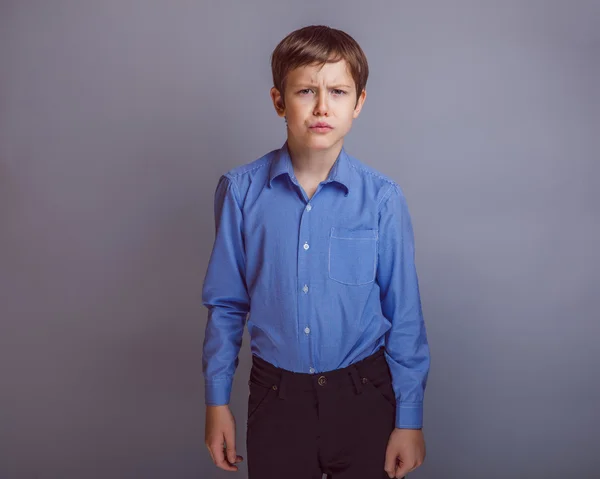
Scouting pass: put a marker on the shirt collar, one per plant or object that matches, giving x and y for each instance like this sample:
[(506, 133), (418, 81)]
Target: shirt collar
[(339, 173)]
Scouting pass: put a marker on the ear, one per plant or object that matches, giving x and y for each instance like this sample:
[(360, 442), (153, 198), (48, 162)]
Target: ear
[(359, 104), (278, 101)]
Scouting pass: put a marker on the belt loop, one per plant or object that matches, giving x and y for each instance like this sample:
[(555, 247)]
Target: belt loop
[(356, 379), (282, 385)]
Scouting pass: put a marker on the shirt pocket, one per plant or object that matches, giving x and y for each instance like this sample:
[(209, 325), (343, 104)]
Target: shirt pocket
[(352, 255)]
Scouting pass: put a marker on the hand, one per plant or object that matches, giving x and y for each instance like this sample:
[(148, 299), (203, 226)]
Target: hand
[(405, 452), (220, 437)]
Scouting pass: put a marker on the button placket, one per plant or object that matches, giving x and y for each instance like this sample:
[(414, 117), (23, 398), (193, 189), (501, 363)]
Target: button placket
[(303, 277)]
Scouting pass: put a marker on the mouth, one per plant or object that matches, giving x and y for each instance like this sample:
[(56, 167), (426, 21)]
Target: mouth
[(321, 127)]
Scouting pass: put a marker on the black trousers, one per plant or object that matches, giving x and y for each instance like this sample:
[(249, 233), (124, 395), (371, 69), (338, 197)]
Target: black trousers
[(302, 425)]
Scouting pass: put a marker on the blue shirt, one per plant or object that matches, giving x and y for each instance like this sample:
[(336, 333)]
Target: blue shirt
[(320, 283)]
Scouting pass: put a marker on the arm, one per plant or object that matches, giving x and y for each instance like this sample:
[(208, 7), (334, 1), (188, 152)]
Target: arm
[(225, 295), (407, 350)]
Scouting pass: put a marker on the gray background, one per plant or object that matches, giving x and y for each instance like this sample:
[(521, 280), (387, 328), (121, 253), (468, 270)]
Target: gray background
[(116, 120)]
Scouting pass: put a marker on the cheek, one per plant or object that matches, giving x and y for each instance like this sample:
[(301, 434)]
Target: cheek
[(294, 118), (297, 113), (301, 102), (344, 107), (348, 116)]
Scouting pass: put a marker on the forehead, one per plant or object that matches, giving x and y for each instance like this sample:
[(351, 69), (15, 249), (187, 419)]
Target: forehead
[(337, 72)]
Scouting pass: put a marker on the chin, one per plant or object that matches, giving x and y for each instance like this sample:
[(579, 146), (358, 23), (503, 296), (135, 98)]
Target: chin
[(322, 143)]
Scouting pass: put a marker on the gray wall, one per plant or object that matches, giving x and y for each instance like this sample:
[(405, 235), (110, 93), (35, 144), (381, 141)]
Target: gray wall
[(116, 120)]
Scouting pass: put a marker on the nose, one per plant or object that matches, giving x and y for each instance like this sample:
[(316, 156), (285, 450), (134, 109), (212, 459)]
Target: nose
[(321, 108)]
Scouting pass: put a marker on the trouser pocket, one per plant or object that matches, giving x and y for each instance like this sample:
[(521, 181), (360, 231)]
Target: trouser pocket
[(260, 396), (379, 381)]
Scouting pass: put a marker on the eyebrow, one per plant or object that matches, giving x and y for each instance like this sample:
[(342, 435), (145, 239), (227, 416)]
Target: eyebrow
[(312, 85)]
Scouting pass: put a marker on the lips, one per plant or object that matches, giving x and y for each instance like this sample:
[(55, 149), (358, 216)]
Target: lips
[(321, 125)]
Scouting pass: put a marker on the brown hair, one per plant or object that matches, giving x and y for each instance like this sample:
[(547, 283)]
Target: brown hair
[(318, 44)]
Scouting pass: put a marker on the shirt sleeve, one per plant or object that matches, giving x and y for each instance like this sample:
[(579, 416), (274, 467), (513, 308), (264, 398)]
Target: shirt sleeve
[(225, 295), (406, 346)]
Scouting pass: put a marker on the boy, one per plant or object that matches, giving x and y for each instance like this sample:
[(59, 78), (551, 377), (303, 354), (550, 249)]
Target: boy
[(314, 251)]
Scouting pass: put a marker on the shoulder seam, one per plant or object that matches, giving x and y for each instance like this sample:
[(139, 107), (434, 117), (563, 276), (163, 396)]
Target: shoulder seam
[(392, 184), (387, 180), (263, 164), (234, 187), (387, 194)]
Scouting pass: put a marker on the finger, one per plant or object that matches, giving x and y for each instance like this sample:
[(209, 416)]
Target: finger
[(238, 458), (223, 464), (402, 469), (416, 465), (212, 457), (230, 446), (390, 463), (216, 451), (413, 465), (218, 454)]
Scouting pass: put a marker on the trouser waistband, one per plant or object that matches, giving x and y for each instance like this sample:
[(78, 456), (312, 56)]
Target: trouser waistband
[(286, 382)]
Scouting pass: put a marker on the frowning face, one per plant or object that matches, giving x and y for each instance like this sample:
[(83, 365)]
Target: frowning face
[(319, 105)]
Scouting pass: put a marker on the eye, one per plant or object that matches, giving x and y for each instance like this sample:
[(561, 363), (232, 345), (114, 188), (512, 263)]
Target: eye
[(338, 92), (305, 91)]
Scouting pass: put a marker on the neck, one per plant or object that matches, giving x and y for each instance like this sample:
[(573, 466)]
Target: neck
[(314, 164)]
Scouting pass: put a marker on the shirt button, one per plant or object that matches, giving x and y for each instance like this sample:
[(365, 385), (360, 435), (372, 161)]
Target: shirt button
[(308, 207), (312, 370), (305, 289), (306, 246), (307, 330)]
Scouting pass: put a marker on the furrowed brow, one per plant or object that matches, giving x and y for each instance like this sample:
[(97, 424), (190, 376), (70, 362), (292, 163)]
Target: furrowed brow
[(314, 85)]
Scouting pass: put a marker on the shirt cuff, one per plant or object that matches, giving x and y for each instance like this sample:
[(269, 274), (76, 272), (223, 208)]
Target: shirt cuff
[(409, 415), (217, 393)]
